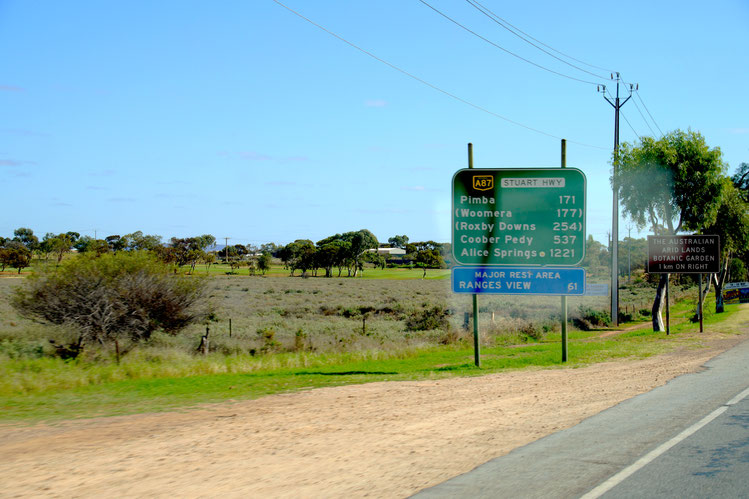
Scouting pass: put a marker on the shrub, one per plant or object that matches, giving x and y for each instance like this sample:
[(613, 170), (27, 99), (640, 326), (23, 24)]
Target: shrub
[(268, 336), (18, 350), (451, 336), (111, 297), (626, 317), (426, 319), (300, 340), (587, 318), (532, 331)]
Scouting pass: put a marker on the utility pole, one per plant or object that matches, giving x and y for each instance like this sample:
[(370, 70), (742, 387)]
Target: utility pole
[(629, 254), (226, 248), (616, 104)]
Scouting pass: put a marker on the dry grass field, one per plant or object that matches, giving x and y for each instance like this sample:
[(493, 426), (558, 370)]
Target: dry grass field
[(287, 314)]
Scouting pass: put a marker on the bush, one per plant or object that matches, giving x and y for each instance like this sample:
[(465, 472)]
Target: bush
[(588, 319), (626, 317), (268, 336), (532, 331), (111, 297), (427, 319)]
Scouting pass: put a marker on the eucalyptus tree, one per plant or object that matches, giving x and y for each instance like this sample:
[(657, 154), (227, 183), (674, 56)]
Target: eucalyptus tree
[(672, 184), (26, 236), (263, 262), (732, 225)]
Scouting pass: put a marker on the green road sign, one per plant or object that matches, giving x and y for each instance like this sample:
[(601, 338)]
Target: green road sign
[(519, 216)]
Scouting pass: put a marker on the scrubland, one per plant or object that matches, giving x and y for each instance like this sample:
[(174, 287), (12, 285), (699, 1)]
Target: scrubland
[(293, 332)]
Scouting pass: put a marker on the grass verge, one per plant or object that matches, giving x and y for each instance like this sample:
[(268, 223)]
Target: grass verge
[(165, 389)]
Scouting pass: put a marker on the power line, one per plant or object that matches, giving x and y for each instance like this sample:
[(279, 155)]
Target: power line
[(643, 117), (504, 24), (646, 109), (630, 125), (504, 49), (500, 20), (430, 85), (637, 92)]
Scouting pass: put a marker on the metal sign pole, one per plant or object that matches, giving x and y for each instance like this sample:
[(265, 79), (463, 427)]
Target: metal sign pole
[(668, 306), (564, 298), (476, 339), (699, 306)]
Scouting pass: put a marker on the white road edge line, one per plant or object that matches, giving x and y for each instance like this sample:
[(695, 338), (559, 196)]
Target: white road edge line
[(738, 398), (650, 456)]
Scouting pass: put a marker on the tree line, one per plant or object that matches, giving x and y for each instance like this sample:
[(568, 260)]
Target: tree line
[(349, 251)]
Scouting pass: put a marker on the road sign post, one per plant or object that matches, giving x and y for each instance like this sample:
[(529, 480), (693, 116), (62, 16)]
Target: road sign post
[(527, 217), (474, 299), (564, 297)]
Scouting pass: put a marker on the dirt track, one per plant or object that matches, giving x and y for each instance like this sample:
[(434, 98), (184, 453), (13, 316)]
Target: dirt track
[(379, 440)]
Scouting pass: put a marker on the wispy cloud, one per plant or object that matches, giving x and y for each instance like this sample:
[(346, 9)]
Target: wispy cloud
[(96, 188), (61, 204), (10, 88), (168, 195), (375, 103), (739, 131), (121, 200), (254, 156), (15, 162)]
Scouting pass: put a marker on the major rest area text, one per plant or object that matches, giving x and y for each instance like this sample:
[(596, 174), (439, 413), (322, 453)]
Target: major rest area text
[(516, 274), (521, 279)]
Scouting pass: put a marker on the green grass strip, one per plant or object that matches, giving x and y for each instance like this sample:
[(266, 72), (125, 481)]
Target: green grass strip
[(303, 371)]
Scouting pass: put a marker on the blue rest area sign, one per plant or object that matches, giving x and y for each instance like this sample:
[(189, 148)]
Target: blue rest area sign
[(562, 281)]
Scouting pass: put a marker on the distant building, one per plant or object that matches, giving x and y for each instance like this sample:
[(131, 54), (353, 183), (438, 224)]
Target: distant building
[(389, 251)]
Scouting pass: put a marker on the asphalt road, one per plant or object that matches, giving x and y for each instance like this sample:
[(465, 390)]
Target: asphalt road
[(689, 438), (712, 462)]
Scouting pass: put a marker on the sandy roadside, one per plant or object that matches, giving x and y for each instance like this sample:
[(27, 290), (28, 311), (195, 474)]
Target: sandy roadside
[(381, 439)]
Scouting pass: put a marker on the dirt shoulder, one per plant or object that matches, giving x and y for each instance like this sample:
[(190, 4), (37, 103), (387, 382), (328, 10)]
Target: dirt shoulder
[(381, 439)]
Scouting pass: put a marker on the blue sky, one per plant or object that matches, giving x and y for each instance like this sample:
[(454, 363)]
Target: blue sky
[(242, 120)]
